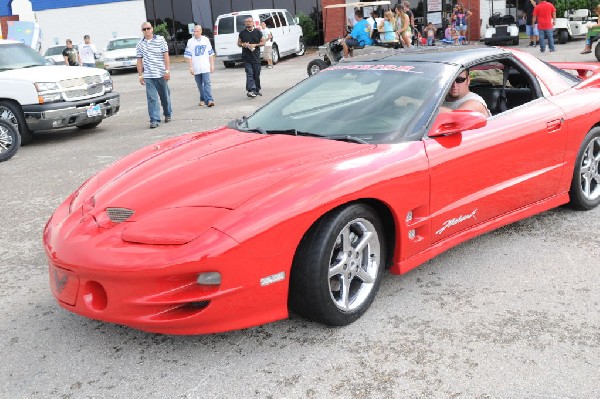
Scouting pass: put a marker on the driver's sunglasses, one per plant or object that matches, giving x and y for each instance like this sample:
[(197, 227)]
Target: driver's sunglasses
[(460, 80), (148, 28)]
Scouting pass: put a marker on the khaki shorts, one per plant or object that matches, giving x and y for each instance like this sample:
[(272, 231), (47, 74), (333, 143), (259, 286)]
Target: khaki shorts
[(268, 52)]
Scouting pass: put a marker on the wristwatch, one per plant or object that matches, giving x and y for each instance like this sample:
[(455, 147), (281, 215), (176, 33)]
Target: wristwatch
[(167, 71)]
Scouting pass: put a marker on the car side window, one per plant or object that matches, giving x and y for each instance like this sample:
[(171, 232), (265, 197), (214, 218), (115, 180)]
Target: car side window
[(503, 85), (290, 19), (282, 18), (267, 18), (225, 25)]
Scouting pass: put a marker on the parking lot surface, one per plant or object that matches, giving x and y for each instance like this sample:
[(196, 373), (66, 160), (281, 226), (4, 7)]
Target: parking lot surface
[(511, 314)]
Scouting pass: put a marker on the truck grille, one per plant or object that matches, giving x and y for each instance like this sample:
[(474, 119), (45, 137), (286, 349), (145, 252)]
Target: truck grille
[(82, 88), (126, 59)]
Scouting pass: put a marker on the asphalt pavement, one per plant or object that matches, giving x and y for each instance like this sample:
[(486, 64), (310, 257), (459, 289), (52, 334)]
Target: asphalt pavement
[(511, 314)]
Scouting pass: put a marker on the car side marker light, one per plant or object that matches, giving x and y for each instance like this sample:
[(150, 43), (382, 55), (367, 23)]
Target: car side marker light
[(273, 278), (209, 278)]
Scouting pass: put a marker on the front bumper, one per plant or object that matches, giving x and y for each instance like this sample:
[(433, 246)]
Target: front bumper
[(231, 57), (67, 114), (112, 65)]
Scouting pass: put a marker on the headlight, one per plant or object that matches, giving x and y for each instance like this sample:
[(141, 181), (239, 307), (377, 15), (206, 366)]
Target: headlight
[(174, 226), (107, 81), (48, 92)]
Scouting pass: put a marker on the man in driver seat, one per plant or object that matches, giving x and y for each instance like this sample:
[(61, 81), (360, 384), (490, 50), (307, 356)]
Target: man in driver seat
[(460, 97)]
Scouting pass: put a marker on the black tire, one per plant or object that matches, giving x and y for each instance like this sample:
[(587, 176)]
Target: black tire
[(302, 48), (487, 42), (585, 185), (563, 37), (89, 125), (275, 54), (334, 279), (597, 51), (12, 112), (229, 64), (515, 42), (315, 66), (10, 140)]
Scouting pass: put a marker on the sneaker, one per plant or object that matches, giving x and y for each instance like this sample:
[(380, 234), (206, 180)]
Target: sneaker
[(167, 119), (552, 51), (201, 104), (537, 43), (153, 125), (251, 94), (269, 66), (542, 50), (211, 104), (258, 93), (531, 44)]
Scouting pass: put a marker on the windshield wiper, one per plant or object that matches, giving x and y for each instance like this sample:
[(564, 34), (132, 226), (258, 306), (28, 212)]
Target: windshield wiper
[(294, 132), (345, 137), (340, 137), (253, 130)]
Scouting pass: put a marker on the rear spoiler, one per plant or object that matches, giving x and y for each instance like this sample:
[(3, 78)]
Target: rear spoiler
[(588, 72)]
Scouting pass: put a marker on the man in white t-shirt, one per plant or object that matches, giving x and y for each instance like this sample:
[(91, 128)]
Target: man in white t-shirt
[(461, 97), (201, 57), (268, 51), (87, 53)]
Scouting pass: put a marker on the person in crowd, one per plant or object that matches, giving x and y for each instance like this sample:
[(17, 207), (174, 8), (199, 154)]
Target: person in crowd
[(387, 27), (268, 51), (374, 22), (87, 53), (70, 54), (544, 15), (461, 97), (530, 28), (201, 58), (593, 30), (250, 40), (153, 66), (429, 33), (403, 26), (408, 11), (460, 20), (360, 35)]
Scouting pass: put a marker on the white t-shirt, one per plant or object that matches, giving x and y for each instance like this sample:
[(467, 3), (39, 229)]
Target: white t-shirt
[(469, 96), (87, 51), (200, 51), (266, 32)]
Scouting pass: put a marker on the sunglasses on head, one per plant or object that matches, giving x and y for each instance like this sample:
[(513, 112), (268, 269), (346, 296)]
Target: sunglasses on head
[(460, 79), (148, 28)]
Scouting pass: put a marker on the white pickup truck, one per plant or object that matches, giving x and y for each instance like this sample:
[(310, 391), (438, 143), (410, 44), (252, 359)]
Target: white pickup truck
[(37, 96)]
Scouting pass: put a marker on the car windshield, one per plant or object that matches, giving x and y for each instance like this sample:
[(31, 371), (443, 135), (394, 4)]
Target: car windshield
[(16, 56), (369, 103), (57, 50), (122, 43)]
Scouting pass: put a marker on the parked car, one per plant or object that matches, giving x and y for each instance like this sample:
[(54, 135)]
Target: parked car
[(120, 54), (37, 96), (303, 205), (54, 54), (287, 34)]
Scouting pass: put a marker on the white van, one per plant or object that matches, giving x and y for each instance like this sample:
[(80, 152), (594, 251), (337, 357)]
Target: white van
[(287, 34)]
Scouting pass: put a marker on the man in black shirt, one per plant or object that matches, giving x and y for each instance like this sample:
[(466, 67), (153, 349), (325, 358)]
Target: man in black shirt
[(250, 40), (70, 54), (530, 27)]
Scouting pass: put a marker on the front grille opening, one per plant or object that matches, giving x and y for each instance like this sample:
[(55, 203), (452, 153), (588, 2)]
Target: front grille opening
[(119, 215), (182, 311)]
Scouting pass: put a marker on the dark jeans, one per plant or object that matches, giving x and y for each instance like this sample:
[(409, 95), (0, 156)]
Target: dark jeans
[(252, 76)]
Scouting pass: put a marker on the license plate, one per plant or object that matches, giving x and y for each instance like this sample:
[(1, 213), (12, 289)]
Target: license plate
[(94, 110), (126, 63)]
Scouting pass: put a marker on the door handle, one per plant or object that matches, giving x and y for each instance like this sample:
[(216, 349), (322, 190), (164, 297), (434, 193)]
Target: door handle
[(554, 125)]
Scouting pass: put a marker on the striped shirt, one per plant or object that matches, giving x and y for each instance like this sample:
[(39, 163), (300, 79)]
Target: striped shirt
[(151, 52)]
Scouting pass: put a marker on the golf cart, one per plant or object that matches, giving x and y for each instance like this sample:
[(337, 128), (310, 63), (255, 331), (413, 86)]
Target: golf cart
[(331, 52), (501, 29), (574, 24)]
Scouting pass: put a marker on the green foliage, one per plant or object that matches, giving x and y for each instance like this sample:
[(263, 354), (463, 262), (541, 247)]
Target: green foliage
[(564, 5), (162, 29), (309, 28)]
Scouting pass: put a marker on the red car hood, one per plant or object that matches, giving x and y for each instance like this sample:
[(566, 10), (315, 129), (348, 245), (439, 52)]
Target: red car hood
[(221, 168)]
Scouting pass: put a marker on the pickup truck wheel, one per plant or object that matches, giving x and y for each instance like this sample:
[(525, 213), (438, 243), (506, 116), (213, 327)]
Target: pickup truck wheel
[(275, 55), (89, 125), (10, 140), (12, 112)]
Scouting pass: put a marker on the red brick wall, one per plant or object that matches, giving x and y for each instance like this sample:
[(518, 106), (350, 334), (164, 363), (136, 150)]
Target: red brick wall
[(334, 20)]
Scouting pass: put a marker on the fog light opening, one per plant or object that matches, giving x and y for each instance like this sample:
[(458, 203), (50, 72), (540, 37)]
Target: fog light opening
[(94, 296), (209, 278)]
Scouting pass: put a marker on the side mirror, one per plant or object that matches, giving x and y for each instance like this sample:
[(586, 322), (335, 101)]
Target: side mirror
[(297, 20), (457, 121)]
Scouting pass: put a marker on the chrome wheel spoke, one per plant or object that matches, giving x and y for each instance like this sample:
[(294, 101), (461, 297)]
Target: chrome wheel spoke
[(345, 292), (364, 241), (365, 276), (338, 267)]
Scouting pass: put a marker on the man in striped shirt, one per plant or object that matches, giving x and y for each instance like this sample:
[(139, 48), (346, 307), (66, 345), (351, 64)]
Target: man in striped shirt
[(153, 70)]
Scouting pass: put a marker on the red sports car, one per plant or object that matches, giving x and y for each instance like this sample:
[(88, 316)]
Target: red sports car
[(303, 205)]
